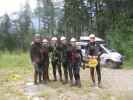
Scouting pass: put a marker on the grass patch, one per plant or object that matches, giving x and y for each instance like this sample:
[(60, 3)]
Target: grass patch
[(11, 60), (17, 63), (128, 63), (13, 68)]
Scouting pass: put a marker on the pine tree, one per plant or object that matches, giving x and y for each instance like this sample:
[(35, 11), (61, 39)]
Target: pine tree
[(24, 26), (75, 17)]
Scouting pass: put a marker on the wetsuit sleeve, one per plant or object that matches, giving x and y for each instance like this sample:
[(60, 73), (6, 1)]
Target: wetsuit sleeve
[(32, 53), (50, 49), (81, 55), (100, 50)]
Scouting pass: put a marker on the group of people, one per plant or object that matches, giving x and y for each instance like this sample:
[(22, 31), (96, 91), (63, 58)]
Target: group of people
[(62, 54)]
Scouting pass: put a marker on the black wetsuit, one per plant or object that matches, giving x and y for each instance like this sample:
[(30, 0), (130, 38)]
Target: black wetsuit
[(75, 64), (35, 53), (45, 62), (93, 49), (56, 61)]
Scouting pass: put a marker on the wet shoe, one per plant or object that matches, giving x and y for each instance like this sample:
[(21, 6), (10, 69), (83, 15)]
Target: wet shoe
[(65, 82), (93, 84), (55, 80), (35, 83), (79, 83), (44, 82), (61, 79), (76, 83), (100, 85), (71, 83)]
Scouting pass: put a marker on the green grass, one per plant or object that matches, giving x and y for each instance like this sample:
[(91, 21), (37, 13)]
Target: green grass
[(9, 60), (128, 64), (13, 65)]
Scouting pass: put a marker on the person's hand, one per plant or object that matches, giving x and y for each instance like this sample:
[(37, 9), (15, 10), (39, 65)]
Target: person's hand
[(83, 66), (33, 63)]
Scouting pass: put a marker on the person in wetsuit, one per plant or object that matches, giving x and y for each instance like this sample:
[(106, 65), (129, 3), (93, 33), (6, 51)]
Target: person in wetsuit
[(45, 59), (93, 49), (75, 63), (36, 60), (56, 58)]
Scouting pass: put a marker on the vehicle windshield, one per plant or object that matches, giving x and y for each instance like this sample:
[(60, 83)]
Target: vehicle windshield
[(109, 48)]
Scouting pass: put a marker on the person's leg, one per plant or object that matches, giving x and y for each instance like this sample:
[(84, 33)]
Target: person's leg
[(92, 74), (65, 72), (54, 70), (47, 72), (35, 76), (60, 71), (70, 73), (44, 74), (47, 69), (74, 73), (98, 70), (78, 75), (40, 76)]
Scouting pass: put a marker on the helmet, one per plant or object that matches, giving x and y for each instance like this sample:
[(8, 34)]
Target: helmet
[(37, 38), (54, 38), (63, 38), (37, 35), (73, 39), (44, 41), (53, 41), (92, 37)]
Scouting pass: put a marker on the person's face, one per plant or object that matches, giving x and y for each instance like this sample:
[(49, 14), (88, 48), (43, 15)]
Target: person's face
[(64, 41), (45, 44), (53, 42), (37, 40), (92, 39), (73, 43)]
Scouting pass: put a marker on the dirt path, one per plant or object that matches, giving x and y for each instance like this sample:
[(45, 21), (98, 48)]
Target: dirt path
[(117, 85)]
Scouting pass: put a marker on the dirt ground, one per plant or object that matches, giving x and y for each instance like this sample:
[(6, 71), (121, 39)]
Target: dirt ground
[(117, 85)]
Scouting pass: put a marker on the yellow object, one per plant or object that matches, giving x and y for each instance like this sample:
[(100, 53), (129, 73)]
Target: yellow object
[(14, 77), (91, 63)]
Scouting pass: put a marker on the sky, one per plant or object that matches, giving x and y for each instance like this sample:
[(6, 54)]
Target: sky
[(10, 6)]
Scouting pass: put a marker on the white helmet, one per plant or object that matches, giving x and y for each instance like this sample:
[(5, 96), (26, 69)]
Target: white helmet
[(63, 38), (73, 39), (37, 38), (37, 35), (54, 39), (92, 36), (44, 41)]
